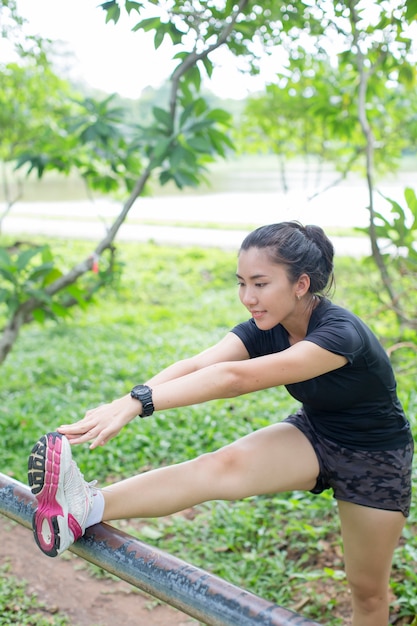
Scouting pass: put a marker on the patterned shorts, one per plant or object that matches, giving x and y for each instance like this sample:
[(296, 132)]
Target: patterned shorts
[(380, 479)]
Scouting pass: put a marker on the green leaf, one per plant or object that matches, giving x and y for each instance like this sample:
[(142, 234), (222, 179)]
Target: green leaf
[(151, 23), (26, 257), (219, 115), (220, 140), (200, 107), (47, 255), (186, 114), (77, 293), (208, 65), (42, 271), (193, 76), (9, 276), (407, 74), (5, 259), (195, 127), (175, 34), (39, 315), (164, 177), (4, 294), (162, 116), (59, 311), (200, 144), (112, 9), (411, 12), (160, 151), (411, 199), (132, 6), (52, 276), (180, 155), (159, 38), (185, 179)]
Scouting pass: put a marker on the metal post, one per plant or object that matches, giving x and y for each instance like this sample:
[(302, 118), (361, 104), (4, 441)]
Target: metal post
[(194, 591)]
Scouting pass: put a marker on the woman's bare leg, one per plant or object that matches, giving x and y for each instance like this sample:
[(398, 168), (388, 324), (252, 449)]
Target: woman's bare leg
[(370, 537), (274, 459)]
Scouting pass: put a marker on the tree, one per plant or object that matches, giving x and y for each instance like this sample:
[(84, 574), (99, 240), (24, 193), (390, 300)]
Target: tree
[(184, 136), (30, 93), (349, 98), (47, 125)]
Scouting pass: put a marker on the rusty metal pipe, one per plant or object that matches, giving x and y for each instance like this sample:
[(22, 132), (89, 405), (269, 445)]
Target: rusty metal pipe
[(194, 591)]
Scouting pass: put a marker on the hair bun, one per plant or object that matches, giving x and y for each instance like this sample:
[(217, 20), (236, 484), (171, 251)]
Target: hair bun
[(319, 237)]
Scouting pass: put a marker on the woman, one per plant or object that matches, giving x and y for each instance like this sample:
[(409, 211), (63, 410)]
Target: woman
[(350, 433)]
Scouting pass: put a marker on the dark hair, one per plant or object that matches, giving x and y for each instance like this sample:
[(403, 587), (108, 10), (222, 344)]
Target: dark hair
[(302, 249)]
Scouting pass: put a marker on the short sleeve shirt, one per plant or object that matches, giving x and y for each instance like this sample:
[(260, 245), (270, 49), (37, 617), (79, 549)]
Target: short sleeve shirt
[(356, 405)]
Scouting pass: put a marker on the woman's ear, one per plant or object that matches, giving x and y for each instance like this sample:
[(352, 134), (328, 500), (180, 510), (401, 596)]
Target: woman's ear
[(302, 286)]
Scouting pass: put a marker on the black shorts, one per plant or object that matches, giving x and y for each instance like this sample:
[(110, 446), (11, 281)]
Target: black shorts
[(380, 479)]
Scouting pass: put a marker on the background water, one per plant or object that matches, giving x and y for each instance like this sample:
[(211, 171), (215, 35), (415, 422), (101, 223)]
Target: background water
[(240, 193)]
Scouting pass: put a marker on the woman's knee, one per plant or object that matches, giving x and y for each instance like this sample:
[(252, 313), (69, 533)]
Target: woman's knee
[(225, 468), (368, 593)]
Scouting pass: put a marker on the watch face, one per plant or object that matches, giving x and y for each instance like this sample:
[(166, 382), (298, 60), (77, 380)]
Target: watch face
[(138, 391)]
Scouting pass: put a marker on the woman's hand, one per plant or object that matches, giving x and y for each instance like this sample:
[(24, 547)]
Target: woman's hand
[(101, 424)]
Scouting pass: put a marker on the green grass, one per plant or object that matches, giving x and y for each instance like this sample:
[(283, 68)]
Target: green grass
[(169, 304), (19, 607)]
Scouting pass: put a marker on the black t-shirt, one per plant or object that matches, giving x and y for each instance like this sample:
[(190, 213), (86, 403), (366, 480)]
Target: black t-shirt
[(356, 405)]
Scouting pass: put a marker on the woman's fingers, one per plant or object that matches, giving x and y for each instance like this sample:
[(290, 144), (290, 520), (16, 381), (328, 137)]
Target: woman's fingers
[(100, 424)]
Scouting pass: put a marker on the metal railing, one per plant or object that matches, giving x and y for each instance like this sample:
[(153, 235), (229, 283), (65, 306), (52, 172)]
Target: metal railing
[(206, 597)]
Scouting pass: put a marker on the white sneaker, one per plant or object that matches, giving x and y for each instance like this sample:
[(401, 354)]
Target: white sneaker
[(64, 497)]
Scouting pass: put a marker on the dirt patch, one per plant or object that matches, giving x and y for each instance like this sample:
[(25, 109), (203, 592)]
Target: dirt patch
[(64, 584)]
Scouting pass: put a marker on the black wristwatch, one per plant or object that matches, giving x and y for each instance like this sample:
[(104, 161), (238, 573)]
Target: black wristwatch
[(144, 394)]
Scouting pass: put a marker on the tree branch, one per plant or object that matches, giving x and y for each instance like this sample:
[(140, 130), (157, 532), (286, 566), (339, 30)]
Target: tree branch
[(369, 149), (194, 57)]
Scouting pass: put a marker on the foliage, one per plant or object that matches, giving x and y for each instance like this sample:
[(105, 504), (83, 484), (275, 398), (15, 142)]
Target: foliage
[(19, 607), (27, 271), (311, 112), (92, 138), (398, 235), (285, 548), (315, 97), (30, 93), (81, 133)]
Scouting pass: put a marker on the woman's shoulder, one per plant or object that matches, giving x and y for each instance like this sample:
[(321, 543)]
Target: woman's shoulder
[(338, 327), (328, 310)]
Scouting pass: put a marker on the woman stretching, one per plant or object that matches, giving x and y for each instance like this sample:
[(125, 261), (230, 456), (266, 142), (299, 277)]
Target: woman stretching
[(350, 433)]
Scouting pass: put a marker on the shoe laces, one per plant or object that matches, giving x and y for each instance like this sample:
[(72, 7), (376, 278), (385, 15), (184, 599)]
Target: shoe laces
[(79, 493)]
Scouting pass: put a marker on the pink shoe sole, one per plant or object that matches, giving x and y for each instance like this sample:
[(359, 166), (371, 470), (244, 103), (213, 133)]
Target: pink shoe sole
[(46, 467)]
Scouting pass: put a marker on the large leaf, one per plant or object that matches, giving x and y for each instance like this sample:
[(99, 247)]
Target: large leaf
[(5, 260), (25, 257), (411, 12), (162, 116)]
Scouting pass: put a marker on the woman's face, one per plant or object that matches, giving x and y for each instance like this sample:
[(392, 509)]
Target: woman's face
[(265, 290)]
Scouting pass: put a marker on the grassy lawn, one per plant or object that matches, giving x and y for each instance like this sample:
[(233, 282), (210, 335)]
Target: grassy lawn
[(170, 303)]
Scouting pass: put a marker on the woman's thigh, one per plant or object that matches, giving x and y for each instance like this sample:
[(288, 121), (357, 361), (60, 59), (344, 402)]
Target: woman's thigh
[(270, 460)]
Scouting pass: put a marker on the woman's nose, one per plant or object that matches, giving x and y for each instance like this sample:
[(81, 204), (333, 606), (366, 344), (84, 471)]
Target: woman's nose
[(248, 296)]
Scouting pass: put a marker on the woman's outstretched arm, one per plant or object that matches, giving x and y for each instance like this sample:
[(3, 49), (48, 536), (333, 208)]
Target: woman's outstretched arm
[(226, 379)]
